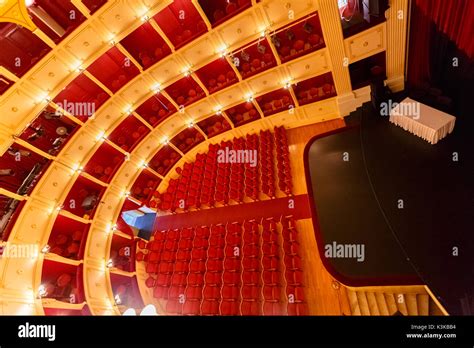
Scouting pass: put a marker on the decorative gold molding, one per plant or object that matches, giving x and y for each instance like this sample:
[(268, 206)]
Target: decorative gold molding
[(15, 11)]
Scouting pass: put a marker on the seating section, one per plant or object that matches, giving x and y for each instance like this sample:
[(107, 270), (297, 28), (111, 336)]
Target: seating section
[(238, 268), (231, 172), (283, 161)]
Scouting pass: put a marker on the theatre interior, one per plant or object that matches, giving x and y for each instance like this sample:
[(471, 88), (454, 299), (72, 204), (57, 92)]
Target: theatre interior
[(236, 157)]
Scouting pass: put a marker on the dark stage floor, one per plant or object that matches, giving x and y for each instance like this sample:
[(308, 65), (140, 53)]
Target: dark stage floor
[(357, 202)]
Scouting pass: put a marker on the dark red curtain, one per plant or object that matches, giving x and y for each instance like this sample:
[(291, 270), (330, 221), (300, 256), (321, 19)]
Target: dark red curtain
[(435, 27), (453, 18)]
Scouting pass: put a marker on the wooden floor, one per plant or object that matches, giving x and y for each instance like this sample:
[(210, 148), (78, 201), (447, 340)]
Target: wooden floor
[(322, 291)]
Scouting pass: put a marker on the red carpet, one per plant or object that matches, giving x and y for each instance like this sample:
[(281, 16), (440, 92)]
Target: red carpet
[(246, 211)]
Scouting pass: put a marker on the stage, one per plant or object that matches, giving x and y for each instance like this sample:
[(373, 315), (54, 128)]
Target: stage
[(408, 202)]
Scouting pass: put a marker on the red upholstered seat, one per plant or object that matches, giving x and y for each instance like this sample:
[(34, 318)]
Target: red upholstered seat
[(272, 293), (140, 256), (295, 293), (232, 264), (215, 252), (293, 262), (191, 307), (165, 268), (141, 244), (196, 279), (230, 307), (151, 268), (231, 277), (251, 250), (251, 238), (215, 265), (177, 291), (251, 263), (271, 263), (198, 254), (251, 278), (150, 282), (178, 279), (154, 257), (273, 308), (297, 309), (251, 292), (163, 280), (291, 248), (160, 292), (231, 292), (181, 267), (194, 292), (211, 292), (210, 307), (251, 308), (174, 306), (213, 278), (271, 277), (294, 277), (197, 266), (185, 244), (183, 255)]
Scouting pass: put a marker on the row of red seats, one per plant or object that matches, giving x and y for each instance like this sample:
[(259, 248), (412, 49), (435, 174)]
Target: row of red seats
[(237, 174), (294, 273), (252, 180), (283, 161), (267, 163), (227, 269)]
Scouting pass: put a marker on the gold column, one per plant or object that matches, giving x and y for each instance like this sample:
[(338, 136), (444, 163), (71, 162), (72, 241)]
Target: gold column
[(397, 28)]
